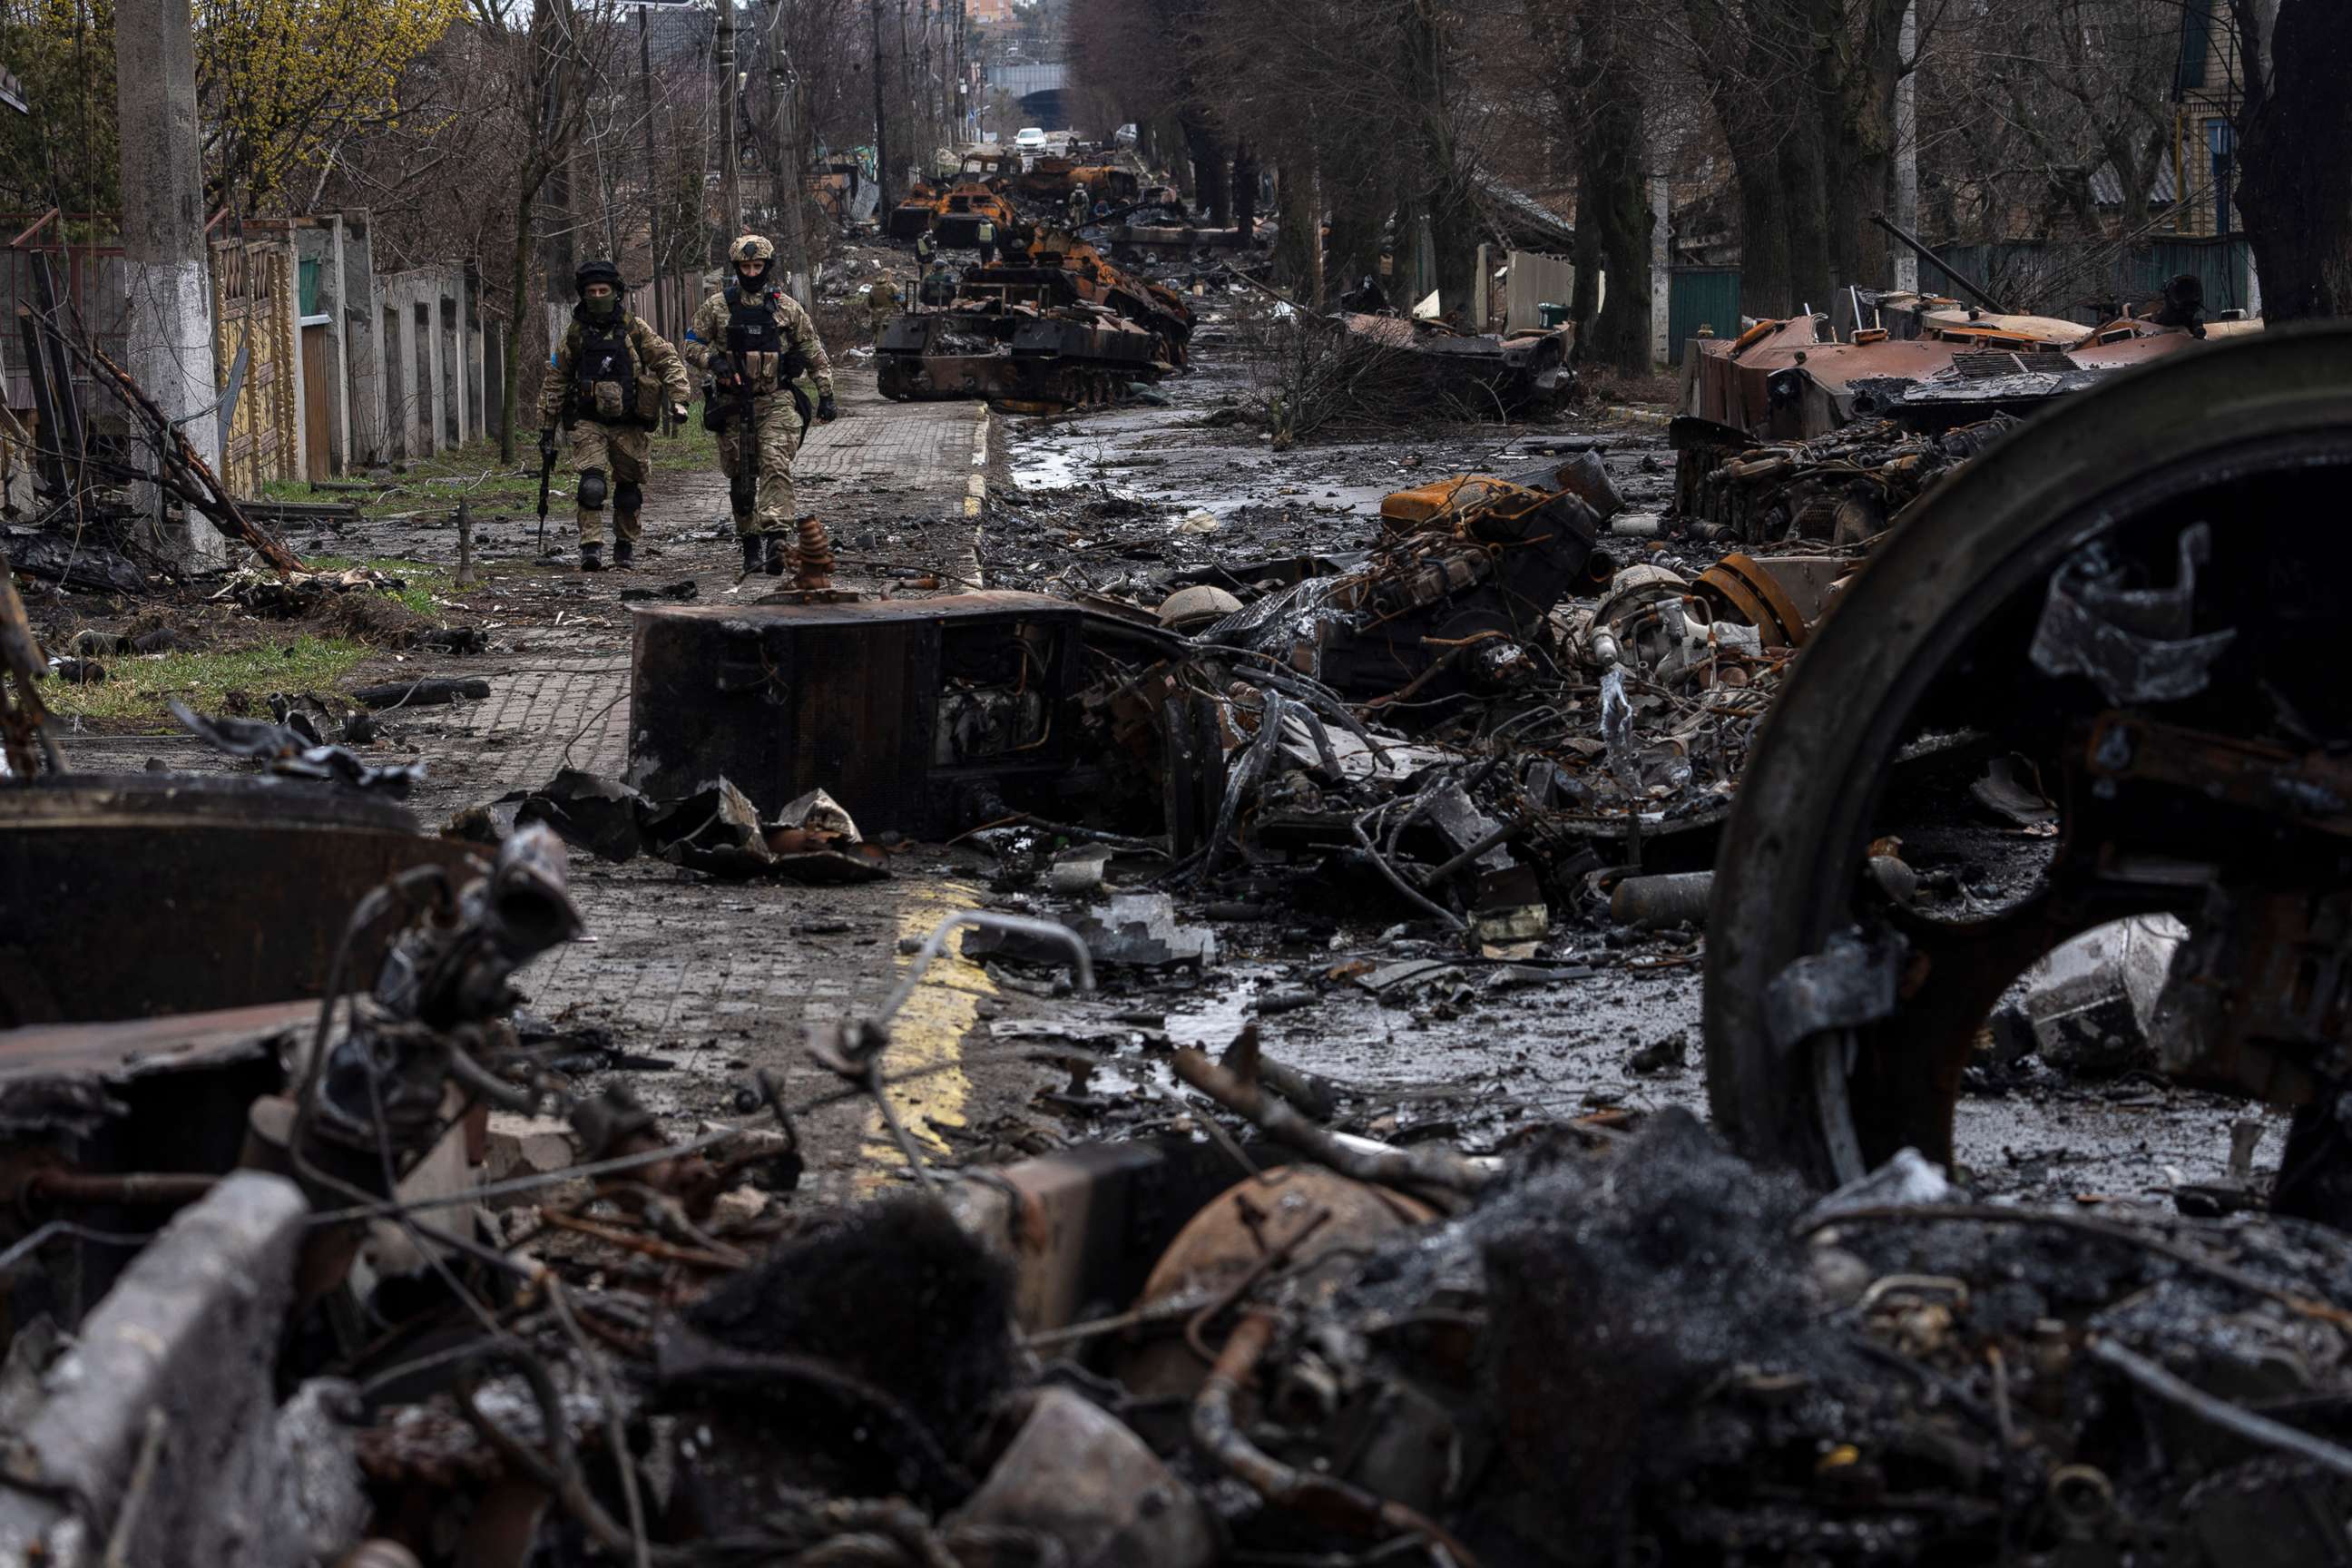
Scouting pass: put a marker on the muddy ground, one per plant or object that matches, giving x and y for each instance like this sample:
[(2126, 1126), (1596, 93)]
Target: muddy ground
[(707, 982)]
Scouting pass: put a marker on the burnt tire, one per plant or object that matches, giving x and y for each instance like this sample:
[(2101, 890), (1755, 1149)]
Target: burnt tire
[(1793, 847)]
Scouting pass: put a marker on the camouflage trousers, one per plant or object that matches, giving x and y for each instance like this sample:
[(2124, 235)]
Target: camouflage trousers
[(777, 420), (625, 455)]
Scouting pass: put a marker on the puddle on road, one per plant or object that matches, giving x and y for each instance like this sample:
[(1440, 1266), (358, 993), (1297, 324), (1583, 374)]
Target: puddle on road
[(1042, 465)]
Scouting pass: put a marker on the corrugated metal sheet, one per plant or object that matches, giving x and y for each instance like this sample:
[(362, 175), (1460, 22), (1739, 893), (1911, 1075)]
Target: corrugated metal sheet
[(1700, 296)]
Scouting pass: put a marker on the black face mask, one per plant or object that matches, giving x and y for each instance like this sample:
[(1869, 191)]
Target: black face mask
[(600, 310), (751, 284)]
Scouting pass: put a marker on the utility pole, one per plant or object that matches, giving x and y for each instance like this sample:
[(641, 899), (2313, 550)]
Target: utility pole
[(170, 338), (881, 128), (1906, 147), (653, 167), (730, 184)]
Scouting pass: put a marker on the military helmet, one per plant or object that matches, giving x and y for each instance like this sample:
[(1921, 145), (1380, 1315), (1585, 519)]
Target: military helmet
[(596, 272), (750, 247)]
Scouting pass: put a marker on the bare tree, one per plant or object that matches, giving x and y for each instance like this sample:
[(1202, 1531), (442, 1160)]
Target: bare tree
[(547, 55)]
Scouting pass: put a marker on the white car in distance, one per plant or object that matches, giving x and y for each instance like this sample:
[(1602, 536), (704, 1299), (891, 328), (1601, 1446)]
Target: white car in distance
[(1030, 139)]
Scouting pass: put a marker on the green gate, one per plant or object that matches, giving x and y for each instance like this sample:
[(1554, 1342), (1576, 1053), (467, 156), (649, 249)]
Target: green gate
[(1696, 297)]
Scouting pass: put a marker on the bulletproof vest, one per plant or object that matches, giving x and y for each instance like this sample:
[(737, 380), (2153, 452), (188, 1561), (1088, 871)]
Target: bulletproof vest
[(604, 372), (755, 340)]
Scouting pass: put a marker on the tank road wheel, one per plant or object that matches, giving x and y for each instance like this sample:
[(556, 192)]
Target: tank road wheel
[(2188, 738)]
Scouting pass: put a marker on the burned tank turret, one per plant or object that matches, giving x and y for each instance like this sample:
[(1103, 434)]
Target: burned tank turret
[(1055, 327)]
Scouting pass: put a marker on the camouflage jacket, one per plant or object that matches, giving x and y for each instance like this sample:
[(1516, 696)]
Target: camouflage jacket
[(658, 374), (708, 335)]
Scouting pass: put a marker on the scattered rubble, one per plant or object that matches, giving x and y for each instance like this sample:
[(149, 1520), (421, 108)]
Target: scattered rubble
[(325, 1242)]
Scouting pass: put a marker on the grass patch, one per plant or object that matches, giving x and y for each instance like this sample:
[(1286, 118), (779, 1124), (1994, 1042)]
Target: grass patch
[(423, 581), (434, 484), (137, 688)]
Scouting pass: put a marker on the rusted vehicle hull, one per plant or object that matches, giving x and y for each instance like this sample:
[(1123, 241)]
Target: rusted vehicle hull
[(1935, 368), (134, 895), (909, 219), (1488, 376), (1060, 328), (2082, 608), (1047, 361), (924, 717)]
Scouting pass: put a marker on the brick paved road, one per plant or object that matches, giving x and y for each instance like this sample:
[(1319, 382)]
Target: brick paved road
[(720, 979)]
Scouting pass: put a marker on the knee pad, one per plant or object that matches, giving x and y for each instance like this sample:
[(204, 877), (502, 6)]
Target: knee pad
[(627, 497), (591, 488)]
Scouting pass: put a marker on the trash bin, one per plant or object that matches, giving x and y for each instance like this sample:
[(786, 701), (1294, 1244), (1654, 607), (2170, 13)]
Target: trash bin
[(1549, 314)]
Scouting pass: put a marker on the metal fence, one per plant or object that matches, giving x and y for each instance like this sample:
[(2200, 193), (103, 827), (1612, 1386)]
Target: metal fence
[(1700, 297), (2082, 280)]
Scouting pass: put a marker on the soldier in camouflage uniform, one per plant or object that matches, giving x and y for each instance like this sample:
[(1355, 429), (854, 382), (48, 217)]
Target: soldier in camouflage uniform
[(607, 379), (752, 332)]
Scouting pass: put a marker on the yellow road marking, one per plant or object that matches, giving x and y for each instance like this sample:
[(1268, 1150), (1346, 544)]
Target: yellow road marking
[(929, 1030)]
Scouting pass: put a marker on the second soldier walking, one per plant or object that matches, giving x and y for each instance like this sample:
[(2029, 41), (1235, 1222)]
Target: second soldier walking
[(755, 341)]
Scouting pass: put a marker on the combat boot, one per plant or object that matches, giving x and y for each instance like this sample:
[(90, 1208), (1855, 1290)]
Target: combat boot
[(625, 550), (750, 554), (776, 555), (592, 558)]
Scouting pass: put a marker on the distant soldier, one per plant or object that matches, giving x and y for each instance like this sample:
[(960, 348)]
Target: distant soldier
[(1081, 203), (881, 304), (752, 334), (938, 287), (984, 236), (926, 249), (607, 379)]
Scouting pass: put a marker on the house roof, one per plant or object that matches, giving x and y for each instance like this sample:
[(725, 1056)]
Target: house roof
[(2107, 187)]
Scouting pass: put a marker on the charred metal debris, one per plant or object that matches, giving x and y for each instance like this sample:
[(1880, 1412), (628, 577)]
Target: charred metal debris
[(320, 1249), (359, 1337)]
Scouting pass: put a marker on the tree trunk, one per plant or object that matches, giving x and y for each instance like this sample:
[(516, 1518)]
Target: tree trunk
[(1213, 191), (1613, 211), (1858, 76), (2295, 186), (1805, 198), (1294, 242), (1766, 286), (1447, 196), (519, 305)]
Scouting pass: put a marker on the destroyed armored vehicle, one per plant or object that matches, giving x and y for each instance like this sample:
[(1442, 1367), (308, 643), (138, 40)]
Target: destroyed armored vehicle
[(1779, 402), (1055, 327), (1508, 375), (957, 217), (2083, 610), (913, 215)]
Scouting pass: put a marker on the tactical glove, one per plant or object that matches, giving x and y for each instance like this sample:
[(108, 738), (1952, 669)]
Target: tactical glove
[(826, 412), (547, 444)]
